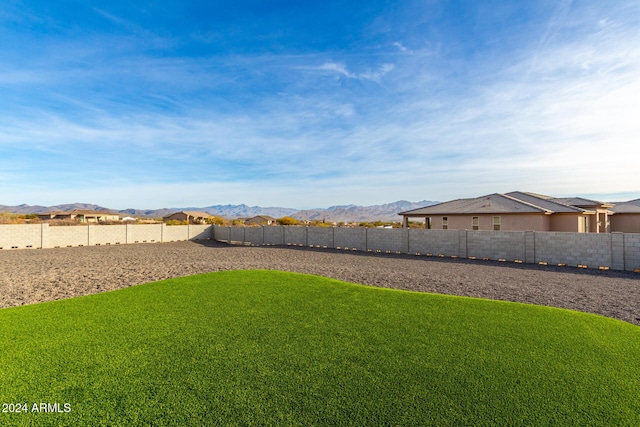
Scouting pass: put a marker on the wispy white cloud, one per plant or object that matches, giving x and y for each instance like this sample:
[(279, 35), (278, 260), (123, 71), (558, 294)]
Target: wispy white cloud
[(400, 46), (341, 69)]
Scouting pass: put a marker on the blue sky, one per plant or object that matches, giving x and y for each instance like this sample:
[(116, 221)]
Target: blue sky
[(303, 104)]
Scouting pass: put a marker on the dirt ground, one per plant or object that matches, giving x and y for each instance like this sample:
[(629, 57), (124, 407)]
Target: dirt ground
[(32, 276)]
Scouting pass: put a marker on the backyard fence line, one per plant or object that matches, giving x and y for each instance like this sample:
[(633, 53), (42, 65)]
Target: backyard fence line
[(39, 236), (615, 251)]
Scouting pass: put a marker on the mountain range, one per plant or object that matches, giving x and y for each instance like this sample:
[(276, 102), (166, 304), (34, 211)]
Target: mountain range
[(347, 213)]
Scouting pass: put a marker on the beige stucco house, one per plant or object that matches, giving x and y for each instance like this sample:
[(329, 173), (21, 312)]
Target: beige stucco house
[(516, 211), (627, 217), (84, 216), (192, 217)]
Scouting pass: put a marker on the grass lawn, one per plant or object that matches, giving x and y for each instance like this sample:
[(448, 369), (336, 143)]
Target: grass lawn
[(274, 348)]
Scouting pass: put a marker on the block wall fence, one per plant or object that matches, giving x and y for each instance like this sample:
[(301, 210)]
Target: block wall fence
[(37, 236), (616, 251)]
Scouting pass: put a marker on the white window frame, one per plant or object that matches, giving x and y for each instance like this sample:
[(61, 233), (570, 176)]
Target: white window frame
[(475, 223)]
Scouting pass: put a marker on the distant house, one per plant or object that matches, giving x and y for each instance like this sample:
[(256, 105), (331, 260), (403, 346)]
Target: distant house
[(626, 217), (260, 220), (192, 217), (516, 211), (83, 216)]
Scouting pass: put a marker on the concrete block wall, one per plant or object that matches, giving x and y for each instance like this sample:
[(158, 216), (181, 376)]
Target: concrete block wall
[(574, 249), (436, 242), (221, 234), (254, 235), (274, 235), (21, 236), (36, 236), (391, 240), (67, 236), (320, 236), (236, 234), (295, 236), (144, 233), (614, 250), (618, 251), (529, 247), (350, 238), (107, 234), (174, 233), (462, 243), (198, 232), (495, 245), (631, 251)]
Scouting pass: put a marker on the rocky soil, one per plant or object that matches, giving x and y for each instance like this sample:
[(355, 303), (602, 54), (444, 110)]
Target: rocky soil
[(32, 276)]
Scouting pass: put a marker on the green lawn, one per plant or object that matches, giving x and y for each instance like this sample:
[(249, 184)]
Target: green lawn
[(274, 348)]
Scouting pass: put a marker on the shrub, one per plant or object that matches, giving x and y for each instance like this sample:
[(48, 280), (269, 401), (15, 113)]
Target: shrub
[(287, 220), (217, 220)]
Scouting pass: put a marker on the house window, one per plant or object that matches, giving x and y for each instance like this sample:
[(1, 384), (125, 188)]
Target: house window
[(475, 223), (427, 221), (445, 223), (496, 223)]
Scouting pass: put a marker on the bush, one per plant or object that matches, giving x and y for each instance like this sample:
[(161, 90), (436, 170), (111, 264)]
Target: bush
[(217, 220), (287, 220)]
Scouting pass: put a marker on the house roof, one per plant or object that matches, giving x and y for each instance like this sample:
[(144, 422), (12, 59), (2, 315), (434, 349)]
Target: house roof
[(581, 202), (549, 203), (89, 212), (632, 206), (263, 217), (514, 202), (198, 214), (195, 214)]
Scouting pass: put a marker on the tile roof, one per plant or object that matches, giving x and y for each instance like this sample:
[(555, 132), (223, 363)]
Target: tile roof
[(632, 206), (580, 201), (514, 202), (549, 203)]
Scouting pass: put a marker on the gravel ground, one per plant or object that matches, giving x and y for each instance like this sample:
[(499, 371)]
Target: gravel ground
[(32, 276)]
